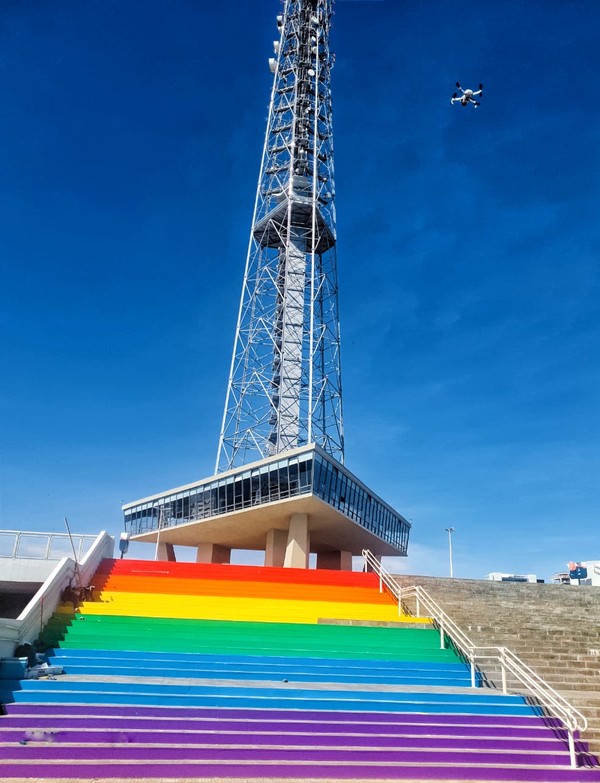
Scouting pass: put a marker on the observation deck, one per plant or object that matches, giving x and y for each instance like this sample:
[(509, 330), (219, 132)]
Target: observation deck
[(289, 505)]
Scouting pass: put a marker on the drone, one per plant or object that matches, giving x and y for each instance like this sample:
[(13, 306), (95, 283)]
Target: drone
[(468, 96)]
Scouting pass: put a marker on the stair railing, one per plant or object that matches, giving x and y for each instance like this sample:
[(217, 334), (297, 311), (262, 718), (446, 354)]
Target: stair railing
[(572, 719)]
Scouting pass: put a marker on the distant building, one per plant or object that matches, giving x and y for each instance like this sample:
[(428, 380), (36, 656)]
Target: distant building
[(498, 577), (593, 569), (584, 573)]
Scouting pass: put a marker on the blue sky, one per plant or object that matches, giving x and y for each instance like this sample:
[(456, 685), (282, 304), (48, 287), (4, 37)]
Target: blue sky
[(468, 259)]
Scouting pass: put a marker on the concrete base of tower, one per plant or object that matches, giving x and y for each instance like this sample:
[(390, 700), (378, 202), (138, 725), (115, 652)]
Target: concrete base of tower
[(297, 550), (275, 547), (213, 553), (165, 551), (335, 561)]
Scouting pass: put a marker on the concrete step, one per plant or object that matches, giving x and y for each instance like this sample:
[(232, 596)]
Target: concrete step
[(553, 628)]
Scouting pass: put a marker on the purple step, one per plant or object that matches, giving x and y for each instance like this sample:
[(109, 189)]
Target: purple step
[(185, 737), (165, 718), (239, 714), (77, 753), (423, 770), (166, 723), (11, 727)]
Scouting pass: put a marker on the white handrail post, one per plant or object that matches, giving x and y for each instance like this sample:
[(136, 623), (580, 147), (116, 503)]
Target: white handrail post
[(442, 640), (572, 747), (472, 659), (503, 665), (380, 583), (418, 605)]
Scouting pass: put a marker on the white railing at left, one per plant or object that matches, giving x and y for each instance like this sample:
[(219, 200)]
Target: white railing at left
[(30, 545), (32, 619)]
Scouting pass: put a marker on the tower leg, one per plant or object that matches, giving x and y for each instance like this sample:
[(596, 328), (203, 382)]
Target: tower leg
[(213, 553), (335, 561), (298, 542), (275, 548)]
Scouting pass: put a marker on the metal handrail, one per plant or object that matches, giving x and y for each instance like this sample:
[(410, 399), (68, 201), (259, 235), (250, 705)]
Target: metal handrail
[(42, 543), (544, 693)]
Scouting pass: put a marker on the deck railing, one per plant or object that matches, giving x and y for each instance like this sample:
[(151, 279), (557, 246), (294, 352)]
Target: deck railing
[(509, 663)]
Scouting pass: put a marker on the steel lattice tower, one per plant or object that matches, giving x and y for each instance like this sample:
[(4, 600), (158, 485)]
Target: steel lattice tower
[(285, 385), (282, 486)]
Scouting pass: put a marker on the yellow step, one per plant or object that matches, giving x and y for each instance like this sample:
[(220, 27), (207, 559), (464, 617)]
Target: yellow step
[(240, 609)]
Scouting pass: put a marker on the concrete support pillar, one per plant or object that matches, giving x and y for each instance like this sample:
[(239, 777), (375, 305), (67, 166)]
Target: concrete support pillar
[(213, 553), (298, 542), (335, 561), (275, 547), (165, 552)]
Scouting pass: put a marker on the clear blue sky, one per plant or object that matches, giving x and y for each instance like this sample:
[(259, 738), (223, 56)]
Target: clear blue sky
[(130, 137)]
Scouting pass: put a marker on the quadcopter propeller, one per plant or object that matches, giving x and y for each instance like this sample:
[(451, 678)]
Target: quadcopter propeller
[(458, 85), (455, 95), (481, 86)]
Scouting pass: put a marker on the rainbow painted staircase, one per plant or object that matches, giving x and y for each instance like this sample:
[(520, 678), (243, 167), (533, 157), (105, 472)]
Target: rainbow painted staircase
[(178, 671)]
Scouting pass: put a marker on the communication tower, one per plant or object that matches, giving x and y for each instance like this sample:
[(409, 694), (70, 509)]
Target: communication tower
[(285, 387), (280, 483)]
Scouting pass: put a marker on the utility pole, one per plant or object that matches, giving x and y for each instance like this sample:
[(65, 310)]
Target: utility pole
[(160, 510), (450, 530)]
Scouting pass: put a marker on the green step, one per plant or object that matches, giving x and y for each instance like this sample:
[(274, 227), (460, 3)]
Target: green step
[(116, 632), (186, 645), (320, 631), (324, 635)]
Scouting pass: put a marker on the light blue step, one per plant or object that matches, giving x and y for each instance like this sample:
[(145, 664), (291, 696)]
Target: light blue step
[(266, 673), (258, 668), (136, 687), (473, 702), (339, 663), (257, 703)]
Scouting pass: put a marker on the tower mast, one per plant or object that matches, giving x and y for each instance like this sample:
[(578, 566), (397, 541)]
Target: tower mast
[(285, 387)]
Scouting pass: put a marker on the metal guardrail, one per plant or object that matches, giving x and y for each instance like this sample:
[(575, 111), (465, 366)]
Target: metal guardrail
[(549, 698), (38, 611), (29, 545)]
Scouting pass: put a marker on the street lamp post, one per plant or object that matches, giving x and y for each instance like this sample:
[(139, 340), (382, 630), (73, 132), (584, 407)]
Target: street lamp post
[(160, 510), (450, 530)]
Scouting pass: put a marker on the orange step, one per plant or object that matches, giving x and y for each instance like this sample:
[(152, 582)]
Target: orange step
[(255, 589), (242, 573)]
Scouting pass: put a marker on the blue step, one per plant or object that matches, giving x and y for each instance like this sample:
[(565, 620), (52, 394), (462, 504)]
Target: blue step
[(202, 658), (243, 667), (473, 702), (274, 703), (226, 673), (478, 695)]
